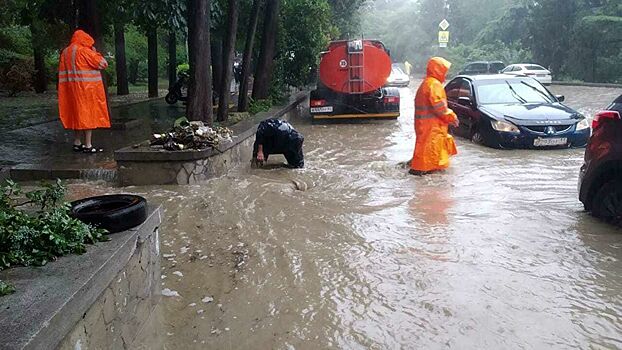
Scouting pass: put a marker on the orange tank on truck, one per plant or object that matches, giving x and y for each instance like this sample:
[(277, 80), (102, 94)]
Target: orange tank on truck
[(351, 82)]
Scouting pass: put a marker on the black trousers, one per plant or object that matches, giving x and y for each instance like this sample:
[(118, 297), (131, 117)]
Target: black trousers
[(293, 154)]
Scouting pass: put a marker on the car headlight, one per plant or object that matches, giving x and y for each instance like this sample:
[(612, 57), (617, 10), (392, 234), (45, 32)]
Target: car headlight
[(583, 124), (504, 126)]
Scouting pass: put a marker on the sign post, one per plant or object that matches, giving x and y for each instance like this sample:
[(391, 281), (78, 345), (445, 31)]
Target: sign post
[(443, 33)]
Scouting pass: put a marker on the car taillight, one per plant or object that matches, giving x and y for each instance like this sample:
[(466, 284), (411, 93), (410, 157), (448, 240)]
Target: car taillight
[(600, 117), (318, 103), (391, 100)]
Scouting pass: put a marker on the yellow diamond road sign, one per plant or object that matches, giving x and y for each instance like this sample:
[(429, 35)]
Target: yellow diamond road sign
[(444, 24)]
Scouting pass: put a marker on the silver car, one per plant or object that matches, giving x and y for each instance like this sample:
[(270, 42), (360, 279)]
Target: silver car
[(398, 78), (535, 71)]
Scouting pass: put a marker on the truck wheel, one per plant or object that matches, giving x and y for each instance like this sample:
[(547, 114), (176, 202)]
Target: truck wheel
[(607, 203), (171, 98), (114, 213)]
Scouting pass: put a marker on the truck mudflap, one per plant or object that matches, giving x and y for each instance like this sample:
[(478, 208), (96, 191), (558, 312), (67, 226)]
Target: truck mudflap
[(389, 115)]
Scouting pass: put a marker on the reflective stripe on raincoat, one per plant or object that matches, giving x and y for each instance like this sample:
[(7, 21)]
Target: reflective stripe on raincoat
[(433, 145), (82, 101)]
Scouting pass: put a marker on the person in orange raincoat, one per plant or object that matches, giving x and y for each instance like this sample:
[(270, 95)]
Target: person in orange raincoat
[(82, 103), (434, 145)]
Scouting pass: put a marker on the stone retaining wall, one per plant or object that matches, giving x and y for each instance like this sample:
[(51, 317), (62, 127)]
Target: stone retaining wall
[(120, 312), (150, 166), (98, 300)]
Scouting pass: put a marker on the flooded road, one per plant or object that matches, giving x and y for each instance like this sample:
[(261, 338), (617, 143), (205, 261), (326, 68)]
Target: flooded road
[(494, 254)]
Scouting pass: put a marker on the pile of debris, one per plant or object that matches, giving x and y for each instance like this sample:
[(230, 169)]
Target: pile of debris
[(191, 135)]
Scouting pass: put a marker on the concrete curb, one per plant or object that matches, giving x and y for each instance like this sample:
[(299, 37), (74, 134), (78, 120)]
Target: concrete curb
[(603, 85), (30, 172), (5, 173)]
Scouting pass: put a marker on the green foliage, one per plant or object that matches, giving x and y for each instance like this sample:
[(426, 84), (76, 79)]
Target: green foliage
[(508, 53), (15, 42), (346, 16), (6, 289), (304, 37), (184, 67), (576, 39), (597, 49), (43, 230), (17, 77), (259, 106)]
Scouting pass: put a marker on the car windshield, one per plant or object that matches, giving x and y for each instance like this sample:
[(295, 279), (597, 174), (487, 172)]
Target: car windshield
[(534, 68), (511, 92), (397, 71), (477, 67), (495, 67)]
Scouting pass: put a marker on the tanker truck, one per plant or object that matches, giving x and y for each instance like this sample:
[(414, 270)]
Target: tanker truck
[(351, 84)]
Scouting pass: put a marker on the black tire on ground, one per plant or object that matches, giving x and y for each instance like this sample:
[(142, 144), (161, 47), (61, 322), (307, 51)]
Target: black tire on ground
[(607, 202), (171, 98), (114, 213)]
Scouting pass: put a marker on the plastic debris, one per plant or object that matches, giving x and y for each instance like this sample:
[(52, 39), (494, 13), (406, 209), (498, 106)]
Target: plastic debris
[(178, 273), (170, 293), (190, 135), (207, 299)]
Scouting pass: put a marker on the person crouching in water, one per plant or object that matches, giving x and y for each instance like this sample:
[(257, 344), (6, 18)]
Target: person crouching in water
[(82, 100), (275, 136), (434, 145)]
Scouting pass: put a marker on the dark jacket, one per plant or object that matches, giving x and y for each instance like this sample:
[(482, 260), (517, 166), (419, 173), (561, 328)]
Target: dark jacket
[(279, 137)]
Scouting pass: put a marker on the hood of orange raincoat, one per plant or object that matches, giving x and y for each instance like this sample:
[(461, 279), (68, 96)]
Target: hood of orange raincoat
[(81, 38), (438, 68)]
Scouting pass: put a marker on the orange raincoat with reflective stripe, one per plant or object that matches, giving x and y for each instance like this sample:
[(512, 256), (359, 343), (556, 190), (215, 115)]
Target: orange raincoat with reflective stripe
[(434, 145), (82, 101)]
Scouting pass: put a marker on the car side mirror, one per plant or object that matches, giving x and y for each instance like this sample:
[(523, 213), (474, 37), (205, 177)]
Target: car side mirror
[(560, 98), (465, 101)]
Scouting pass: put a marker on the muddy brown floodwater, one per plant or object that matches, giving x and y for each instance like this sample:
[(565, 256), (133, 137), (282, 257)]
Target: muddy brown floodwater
[(494, 254)]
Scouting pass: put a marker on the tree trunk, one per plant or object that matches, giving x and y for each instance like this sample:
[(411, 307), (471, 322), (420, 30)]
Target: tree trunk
[(216, 48), (121, 61), (89, 21), (152, 61), (200, 88), (229, 51), (172, 58), (40, 82), (133, 73), (265, 66), (248, 53)]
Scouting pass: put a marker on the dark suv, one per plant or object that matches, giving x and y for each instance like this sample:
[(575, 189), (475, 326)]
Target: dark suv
[(482, 67), (600, 182)]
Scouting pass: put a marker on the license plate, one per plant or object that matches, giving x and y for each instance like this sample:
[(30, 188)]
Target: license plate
[(539, 142), (322, 109)]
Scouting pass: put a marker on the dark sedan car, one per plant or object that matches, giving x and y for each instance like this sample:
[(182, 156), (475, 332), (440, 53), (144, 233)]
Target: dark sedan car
[(502, 111), (600, 181), (482, 67)]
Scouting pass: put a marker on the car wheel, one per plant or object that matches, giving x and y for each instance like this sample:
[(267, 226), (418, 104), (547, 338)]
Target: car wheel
[(607, 203), (114, 213), (171, 98), (477, 138)]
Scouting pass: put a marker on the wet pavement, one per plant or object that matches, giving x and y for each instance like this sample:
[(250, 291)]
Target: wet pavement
[(48, 145), (496, 253)]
